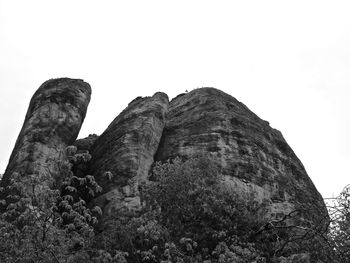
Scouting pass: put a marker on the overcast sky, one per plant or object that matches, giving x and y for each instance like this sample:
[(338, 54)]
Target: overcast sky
[(288, 61)]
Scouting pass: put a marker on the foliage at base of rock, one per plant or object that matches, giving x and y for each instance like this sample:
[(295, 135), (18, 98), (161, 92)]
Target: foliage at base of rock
[(186, 217), (189, 217), (44, 225)]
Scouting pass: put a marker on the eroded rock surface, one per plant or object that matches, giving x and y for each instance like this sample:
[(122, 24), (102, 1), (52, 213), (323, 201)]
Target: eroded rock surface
[(126, 149), (53, 120), (254, 158)]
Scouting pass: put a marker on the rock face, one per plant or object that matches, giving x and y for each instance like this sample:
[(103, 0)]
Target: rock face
[(54, 117), (254, 158), (126, 149)]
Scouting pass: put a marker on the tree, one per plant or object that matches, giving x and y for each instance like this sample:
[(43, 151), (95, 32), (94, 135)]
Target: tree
[(44, 225), (339, 234), (187, 217)]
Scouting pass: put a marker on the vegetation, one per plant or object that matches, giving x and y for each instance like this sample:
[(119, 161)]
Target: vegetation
[(187, 216), (339, 234), (42, 225)]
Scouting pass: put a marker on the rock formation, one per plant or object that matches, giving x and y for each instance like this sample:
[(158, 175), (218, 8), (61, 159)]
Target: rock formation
[(53, 120), (126, 149), (254, 158)]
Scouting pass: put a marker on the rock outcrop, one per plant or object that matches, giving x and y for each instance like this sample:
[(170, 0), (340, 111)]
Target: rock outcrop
[(126, 150), (53, 120), (254, 158)]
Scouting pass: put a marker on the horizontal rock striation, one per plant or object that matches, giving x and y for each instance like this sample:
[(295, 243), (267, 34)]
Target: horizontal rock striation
[(53, 121), (126, 150), (254, 158)]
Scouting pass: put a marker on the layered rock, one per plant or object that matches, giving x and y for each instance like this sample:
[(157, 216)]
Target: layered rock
[(53, 121), (125, 151), (254, 158)]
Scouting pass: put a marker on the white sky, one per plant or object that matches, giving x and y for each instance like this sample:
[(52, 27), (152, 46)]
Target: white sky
[(288, 61)]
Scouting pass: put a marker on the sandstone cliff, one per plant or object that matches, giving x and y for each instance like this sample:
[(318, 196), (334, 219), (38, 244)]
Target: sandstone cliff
[(126, 149), (254, 158), (53, 120)]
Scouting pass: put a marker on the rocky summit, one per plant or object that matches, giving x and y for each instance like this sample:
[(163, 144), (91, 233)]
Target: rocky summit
[(253, 158)]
